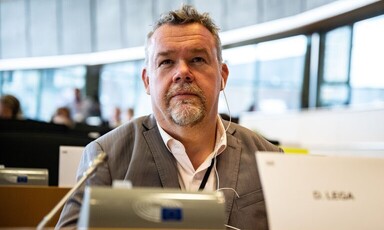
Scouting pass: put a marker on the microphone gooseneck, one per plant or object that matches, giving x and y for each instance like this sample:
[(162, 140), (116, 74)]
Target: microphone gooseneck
[(102, 157)]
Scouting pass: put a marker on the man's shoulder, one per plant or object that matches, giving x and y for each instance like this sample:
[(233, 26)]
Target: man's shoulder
[(252, 138), (139, 124), (240, 129)]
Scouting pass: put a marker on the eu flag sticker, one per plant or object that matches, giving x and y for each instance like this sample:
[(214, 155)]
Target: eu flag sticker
[(171, 214), (22, 179)]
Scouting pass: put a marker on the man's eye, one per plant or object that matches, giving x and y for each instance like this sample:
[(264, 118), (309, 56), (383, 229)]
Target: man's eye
[(165, 62), (198, 60)]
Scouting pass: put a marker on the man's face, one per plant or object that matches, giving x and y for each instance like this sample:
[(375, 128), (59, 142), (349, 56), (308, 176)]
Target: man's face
[(183, 75)]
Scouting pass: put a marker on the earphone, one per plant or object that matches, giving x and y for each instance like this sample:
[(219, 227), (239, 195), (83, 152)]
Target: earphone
[(226, 129), (226, 102), (222, 84)]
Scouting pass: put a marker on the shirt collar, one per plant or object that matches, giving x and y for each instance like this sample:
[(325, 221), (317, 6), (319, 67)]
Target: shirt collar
[(220, 143)]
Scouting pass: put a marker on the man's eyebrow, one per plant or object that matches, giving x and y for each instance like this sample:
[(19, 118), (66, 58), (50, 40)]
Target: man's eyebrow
[(200, 50), (164, 53)]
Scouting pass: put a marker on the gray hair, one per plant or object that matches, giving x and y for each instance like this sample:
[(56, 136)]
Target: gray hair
[(187, 14)]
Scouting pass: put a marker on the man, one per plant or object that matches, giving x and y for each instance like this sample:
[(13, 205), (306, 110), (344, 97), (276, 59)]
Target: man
[(174, 147)]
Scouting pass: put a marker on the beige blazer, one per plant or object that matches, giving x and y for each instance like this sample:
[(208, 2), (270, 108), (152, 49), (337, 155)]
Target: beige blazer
[(137, 153)]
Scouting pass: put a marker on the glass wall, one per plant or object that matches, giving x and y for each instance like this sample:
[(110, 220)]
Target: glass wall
[(264, 77), (25, 85), (335, 79), (42, 91), (58, 87), (352, 73), (241, 80), (367, 70), (122, 88)]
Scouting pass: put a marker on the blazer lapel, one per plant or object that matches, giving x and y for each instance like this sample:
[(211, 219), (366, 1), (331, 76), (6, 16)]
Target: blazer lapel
[(228, 169), (164, 160)]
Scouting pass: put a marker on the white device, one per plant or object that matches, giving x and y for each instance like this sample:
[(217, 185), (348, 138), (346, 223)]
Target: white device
[(322, 192), (23, 176), (69, 161), (149, 208)]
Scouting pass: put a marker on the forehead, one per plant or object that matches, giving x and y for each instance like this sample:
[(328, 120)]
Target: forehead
[(179, 36)]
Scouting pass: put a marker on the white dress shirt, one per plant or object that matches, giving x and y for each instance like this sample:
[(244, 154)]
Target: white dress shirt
[(189, 178)]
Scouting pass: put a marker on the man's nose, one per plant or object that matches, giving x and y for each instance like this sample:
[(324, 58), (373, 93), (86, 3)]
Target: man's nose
[(183, 72)]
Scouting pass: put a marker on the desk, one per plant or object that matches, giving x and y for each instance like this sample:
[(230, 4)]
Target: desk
[(25, 206)]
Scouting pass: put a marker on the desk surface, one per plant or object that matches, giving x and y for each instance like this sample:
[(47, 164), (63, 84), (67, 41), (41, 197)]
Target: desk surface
[(25, 206)]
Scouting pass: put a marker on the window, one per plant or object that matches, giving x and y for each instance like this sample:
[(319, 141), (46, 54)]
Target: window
[(240, 87), (121, 87), (58, 88), (334, 87), (353, 64), (367, 77), (23, 84), (264, 77), (268, 76), (41, 91)]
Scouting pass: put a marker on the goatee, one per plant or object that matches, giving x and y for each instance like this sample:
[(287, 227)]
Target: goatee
[(187, 112)]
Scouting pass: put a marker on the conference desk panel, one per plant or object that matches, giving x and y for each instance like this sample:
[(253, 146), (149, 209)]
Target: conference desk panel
[(25, 206)]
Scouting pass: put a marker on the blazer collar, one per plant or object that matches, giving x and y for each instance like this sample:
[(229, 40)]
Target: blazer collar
[(228, 166), (164, 160)]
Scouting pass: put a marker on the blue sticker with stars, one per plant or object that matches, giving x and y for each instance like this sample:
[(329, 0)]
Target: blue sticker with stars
[(171, 214), (22, 179)]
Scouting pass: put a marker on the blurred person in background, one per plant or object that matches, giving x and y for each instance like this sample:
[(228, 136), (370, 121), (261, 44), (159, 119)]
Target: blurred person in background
[(77, 106), (130, 114), (115, 120), (10, 107), (62, 116), (85, 109)]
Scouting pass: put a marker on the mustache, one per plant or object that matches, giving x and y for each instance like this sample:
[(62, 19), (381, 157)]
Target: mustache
[(184, 88)]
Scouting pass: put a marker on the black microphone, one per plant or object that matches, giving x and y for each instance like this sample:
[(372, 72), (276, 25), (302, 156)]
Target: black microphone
[(101, 158)]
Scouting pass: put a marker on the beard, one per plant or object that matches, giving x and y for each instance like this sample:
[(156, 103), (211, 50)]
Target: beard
[(187, 112)]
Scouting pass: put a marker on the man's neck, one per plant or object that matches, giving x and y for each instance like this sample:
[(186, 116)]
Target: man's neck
[(199, 140)]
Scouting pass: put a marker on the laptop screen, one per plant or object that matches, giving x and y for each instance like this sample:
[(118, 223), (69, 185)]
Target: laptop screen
[(322, 192)]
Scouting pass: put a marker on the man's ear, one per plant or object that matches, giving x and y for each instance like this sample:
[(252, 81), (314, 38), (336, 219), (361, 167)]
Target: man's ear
[(224, 75), (145, 80)]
